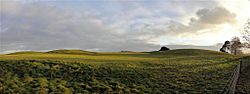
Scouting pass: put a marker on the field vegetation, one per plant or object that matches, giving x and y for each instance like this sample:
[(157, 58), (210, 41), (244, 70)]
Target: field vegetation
[(76, 71)]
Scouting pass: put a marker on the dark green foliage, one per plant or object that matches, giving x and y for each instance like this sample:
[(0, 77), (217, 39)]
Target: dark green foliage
[(164, 48)]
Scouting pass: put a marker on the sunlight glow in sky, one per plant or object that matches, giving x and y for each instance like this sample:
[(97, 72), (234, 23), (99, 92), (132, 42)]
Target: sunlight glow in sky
[(115, 25)]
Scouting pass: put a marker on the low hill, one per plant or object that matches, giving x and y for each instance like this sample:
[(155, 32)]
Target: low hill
[(189, 52), (64, 51), (26, 52)]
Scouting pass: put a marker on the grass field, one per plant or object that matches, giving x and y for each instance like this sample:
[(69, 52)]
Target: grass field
[(75, 71)]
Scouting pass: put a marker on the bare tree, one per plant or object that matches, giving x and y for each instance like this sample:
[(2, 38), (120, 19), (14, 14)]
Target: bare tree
[(246, 33), (236, 45)]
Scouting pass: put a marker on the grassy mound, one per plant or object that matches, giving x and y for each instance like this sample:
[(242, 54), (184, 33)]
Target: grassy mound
[(79, 52), (189, 52), (26, 52)]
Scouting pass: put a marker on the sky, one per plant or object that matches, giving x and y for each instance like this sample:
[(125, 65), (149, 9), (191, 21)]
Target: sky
[(116, 25)]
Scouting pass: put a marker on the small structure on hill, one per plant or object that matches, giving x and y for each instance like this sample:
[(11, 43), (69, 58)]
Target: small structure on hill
[(164, 48)]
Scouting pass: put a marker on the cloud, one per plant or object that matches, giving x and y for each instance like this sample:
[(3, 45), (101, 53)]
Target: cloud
[(207, 19), (41, 27), (210, 18), (205, 23), (125, 26), (214, 16)]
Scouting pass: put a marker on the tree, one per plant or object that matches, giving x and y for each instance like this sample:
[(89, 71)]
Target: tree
[(164, 49), (246, 32), (226, 47), (235, 45)]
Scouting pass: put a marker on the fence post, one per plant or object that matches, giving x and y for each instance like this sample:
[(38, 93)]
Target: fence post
[(241, 65), (244, 63), (235, 80)]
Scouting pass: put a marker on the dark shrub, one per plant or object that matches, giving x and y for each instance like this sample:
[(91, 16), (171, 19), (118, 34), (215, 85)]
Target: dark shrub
[(164, 49)]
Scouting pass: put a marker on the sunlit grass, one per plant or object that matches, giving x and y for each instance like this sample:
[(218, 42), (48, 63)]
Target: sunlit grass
[(175, 71)]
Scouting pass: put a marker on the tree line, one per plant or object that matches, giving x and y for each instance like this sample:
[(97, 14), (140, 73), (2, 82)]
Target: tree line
[(235, 46)]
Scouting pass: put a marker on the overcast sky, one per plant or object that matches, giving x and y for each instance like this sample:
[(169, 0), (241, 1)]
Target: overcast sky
[(115, 25)]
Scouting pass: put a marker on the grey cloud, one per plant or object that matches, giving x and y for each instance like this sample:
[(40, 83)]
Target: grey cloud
[(206, 19), (41, 27), (218, 15)]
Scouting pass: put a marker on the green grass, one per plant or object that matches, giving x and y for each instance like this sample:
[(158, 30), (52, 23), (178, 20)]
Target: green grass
[(76, 71)]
